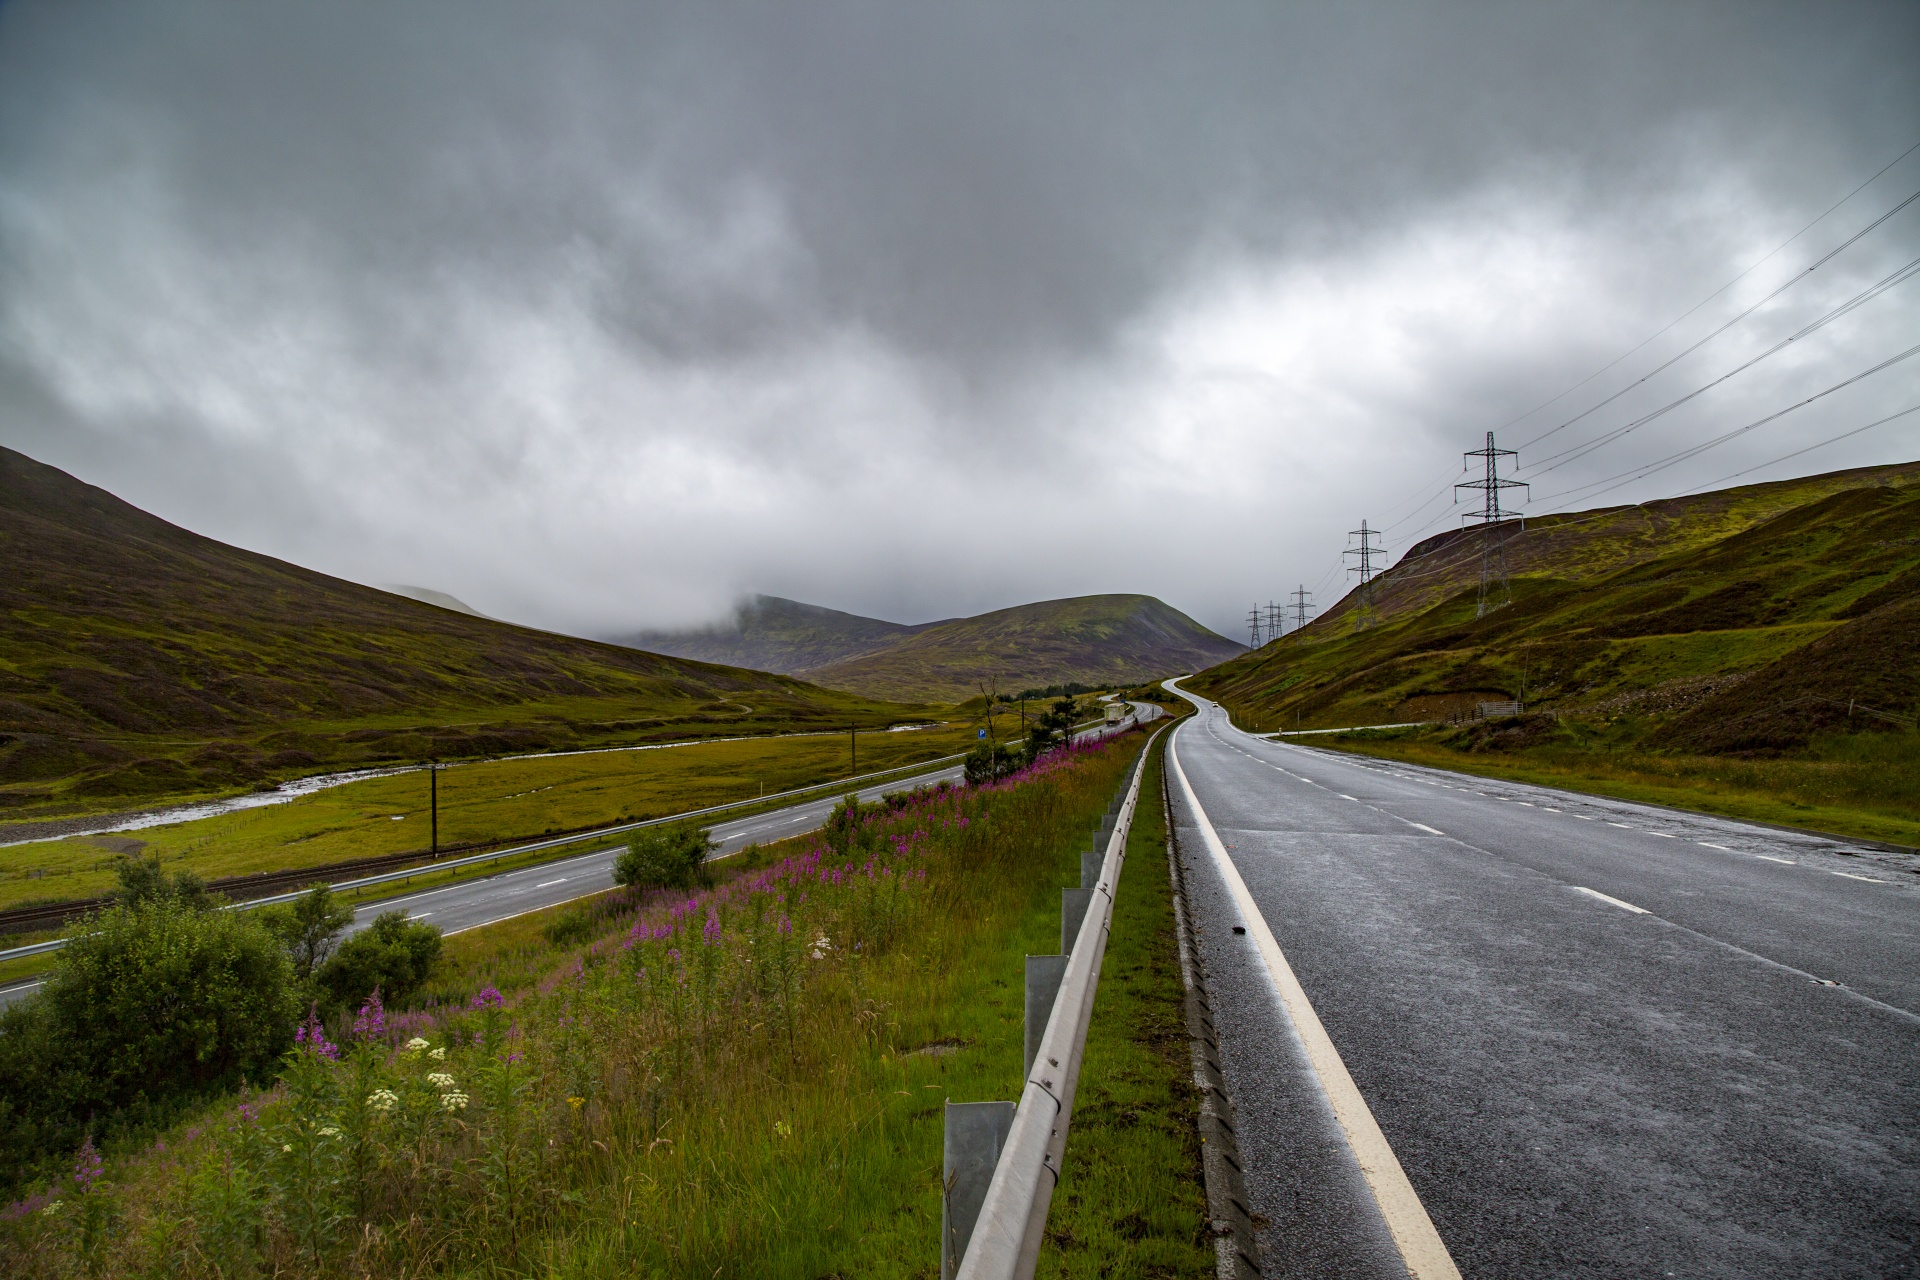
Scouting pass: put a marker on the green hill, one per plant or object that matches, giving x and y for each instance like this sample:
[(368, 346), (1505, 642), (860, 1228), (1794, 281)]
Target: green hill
[(138, 659), (768, 633), (1766, 621), (1092, 640)]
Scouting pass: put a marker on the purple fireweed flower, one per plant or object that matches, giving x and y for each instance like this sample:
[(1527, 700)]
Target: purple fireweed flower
[(87, 1168), (371, 1024), (312, 1037), (786, 927), (711, 933), (489, 998)]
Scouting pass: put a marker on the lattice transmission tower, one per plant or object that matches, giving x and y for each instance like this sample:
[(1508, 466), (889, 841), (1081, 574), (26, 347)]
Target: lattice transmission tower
[(1276, 621), (1496, 522), (1253, 628), (1302, 605), (1363, 615)]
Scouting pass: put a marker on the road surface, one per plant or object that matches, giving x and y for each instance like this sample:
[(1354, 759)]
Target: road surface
[(1597, 1038)]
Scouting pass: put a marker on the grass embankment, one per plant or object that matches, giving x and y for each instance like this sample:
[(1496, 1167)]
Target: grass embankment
[(483, 803), (746, 1083), (1867, 787)]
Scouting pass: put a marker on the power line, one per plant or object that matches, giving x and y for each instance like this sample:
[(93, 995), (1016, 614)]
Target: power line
[(1565, 456), (1791, 281), (1810, 448), (1768, 257), (1635, 473)]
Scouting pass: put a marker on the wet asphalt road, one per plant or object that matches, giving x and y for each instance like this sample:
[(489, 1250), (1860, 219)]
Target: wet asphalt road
[(1659, 1081)]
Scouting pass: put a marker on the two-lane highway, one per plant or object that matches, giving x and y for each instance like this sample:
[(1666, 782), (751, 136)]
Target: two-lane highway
[(1592, 1038)]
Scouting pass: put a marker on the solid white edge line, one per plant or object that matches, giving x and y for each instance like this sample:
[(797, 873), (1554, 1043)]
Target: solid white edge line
[(1624, 906), (1406, 1218)]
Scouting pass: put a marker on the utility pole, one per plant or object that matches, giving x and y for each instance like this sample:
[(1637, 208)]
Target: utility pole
[(853, 748), (1302, 606), (1494, 522), (433, 806), (1363, 615), (1253, 628)]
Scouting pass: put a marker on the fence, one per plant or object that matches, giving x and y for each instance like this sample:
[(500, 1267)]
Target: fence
[(1002, 1161)]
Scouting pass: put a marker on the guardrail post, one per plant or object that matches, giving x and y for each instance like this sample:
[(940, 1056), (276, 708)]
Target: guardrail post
[(1043, 984), (975, 1133), (1073, 911), (1091, 861)]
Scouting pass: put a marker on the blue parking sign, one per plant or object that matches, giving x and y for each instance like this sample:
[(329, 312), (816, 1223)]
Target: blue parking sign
[(981, 734)]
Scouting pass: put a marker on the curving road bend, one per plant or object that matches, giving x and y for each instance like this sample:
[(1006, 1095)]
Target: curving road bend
[(1601, 1039)]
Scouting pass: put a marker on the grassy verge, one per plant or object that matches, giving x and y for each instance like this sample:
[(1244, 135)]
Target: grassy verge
[(1865, 786), (753, 1087), (485, 802), (1131, 1201)]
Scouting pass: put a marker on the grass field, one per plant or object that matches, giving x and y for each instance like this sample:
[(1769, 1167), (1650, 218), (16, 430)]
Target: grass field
[(1866, 786), (481, 802), (759, 1097)]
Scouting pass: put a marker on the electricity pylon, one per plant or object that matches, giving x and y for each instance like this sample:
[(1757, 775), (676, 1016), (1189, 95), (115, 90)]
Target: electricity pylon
[(1253, 626), (1363, 615), (1495, 520), (1276, 619), (1302, 606)]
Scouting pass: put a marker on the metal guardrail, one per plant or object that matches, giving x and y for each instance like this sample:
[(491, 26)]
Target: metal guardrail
[(580, 837), (1003, 1241)]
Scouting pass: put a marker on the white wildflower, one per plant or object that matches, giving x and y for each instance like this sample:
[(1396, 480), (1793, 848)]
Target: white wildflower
[(287, 1147), (53, 1207), (440, 1080), (329, 1132), (383, 1099), (455, 1101), (439, 1055), (416, 1044)]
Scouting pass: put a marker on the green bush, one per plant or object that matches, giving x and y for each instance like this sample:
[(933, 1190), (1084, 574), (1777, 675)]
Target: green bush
[(393, 953), (149, 1006), (666, 858), (308, 927)]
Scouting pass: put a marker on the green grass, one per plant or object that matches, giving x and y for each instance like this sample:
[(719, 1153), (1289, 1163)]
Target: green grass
[(724, 1128), (1867, 786), (481, 803)]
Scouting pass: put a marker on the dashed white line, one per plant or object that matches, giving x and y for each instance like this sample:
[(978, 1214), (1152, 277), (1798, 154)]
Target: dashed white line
[(1624, 906), (1429, 830), (1584, 817), (1620, 824), (1664, 835), (548, 884), (1770, 858), (1344, 796), (1849, 875), (1705, 845)]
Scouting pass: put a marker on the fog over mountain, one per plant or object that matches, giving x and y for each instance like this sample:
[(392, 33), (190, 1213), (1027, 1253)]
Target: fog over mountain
[(604, 316)]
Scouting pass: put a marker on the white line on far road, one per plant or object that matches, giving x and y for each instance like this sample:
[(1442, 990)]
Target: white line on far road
[(550, 883), (1704, 845), (1624, 906), (1770, 858), (1849, 875), (1429, 830)]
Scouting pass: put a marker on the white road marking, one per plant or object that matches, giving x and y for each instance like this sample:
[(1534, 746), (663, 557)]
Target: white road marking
[(550, 883), (1584, 817), (1619, 824), (1527, 803), (419, 915), (1406, 1218), (1344, 796), (1549, 808), (1849, 875), (1429, 830), (1664, 835), (1770, 858), (1624, 906), (1704, 845)]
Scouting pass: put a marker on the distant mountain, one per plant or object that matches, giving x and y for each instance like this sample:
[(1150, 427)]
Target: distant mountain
[(771, 634), (427, 595), (139, 659), (1095, 640)]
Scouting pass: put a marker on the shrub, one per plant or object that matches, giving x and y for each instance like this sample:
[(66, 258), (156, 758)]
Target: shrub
[(989, 762), (394, 954), (308, 927), (666, 858), (149, 1006)]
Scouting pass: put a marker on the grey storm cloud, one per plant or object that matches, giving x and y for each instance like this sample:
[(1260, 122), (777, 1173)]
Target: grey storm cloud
[(599, 315)]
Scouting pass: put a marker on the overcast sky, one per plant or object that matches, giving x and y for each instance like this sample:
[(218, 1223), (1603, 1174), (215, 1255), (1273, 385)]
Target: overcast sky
[(601, 315)]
